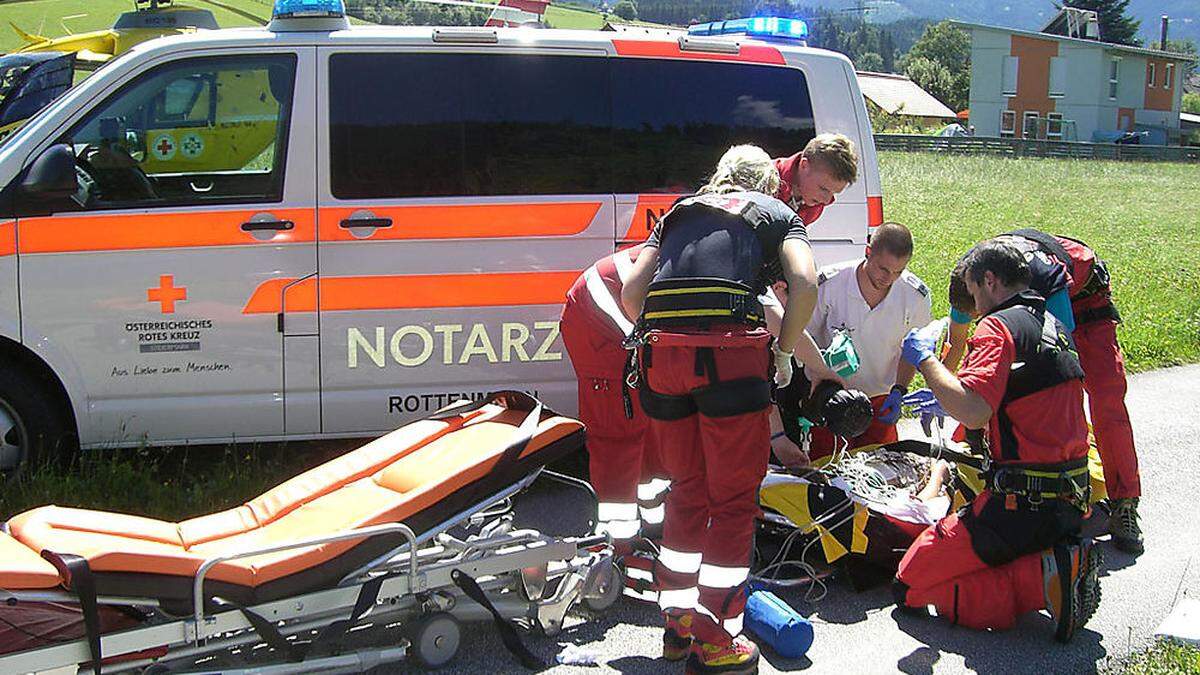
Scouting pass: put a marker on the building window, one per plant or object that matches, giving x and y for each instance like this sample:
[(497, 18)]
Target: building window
[(1112, 78), (1008, 123), (1058, 77), (1169, 76), (1029, 124), (1150, 74), (1054, 125), (1008, 78)]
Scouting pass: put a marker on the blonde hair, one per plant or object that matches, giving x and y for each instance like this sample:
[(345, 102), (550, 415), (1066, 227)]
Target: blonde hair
[(744, 167), (835, 153)]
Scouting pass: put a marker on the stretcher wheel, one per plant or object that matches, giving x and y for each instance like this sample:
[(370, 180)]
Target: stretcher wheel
[(435, 639), (605, 589)]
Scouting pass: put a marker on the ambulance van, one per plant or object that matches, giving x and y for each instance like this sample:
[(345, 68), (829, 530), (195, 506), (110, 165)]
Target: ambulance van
[(402, 236)]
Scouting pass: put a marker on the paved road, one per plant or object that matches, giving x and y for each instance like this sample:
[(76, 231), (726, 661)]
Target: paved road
[(862, 633)]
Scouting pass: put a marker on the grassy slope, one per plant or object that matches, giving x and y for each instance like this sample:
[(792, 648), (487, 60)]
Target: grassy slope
[(44, 17), (568, 17), (1140, 217)]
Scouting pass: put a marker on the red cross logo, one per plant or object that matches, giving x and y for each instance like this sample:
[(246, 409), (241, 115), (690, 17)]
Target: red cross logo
[(166, 294), (164, 146)]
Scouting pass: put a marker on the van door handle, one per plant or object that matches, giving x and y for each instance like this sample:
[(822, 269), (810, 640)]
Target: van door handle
[(259, 225), (366, 222)]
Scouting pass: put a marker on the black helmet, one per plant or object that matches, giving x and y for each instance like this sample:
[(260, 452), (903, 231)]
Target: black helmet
[(845, 412)]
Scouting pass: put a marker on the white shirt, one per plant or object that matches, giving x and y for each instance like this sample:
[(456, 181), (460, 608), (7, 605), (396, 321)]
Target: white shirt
[(876, 333)]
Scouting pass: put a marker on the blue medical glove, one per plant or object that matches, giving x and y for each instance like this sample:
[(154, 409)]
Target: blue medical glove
[(921, 343), (928, 406), (889, 412)]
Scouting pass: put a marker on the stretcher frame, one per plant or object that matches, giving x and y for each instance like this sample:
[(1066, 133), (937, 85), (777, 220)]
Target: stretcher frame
[(526, 575)]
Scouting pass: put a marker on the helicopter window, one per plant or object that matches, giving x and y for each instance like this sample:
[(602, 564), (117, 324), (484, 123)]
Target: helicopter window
[(196, 131), (186, 101)]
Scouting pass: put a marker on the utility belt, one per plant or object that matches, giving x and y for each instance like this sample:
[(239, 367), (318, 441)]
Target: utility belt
[(1036, 483), (721, 398), (700, 302)]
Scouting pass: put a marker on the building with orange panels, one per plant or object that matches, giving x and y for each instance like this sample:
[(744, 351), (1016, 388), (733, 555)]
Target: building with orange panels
[(1043, 85)]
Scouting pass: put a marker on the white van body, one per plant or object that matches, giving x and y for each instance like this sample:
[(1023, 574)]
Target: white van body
[(406, 238)]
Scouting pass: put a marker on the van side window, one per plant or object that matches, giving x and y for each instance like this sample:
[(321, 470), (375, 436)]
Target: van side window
[(192, 132), (468, 125), (672, 120)]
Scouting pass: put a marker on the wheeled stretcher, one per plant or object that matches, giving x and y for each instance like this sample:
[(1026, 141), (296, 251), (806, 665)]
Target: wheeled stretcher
[(402, 532)]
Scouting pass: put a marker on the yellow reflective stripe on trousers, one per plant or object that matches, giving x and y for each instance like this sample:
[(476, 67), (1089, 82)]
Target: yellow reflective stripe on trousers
[(655, 515), (716, 576), (644, 596), (638, 573), (678, 561), (619, 529), (652, 488), (616, 511), (683, 598)]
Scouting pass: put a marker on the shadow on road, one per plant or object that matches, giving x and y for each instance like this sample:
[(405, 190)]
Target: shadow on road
[(1028, 647)]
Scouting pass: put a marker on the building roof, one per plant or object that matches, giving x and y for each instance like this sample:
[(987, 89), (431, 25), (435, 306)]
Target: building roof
[(1158, 54), (1189, 120), (896, 94)]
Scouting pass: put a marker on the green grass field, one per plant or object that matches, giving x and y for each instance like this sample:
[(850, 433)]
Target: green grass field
[(1164, 658), (56, 18), (1140, 217)]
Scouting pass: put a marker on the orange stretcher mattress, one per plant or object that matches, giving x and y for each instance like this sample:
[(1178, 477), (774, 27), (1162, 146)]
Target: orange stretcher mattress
[(420, 474)]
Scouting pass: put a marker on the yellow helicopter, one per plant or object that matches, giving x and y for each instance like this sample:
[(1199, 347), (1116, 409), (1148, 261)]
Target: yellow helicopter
[(188, 114)]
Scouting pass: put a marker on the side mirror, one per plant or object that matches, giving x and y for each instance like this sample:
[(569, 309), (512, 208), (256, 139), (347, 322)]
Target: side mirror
[(52, 174)]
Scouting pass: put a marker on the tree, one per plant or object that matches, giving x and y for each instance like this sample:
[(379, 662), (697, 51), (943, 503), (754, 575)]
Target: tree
[(940, 63), (870, 61), (626, 9), (1115, 25), (936, 79), (1191, 103)]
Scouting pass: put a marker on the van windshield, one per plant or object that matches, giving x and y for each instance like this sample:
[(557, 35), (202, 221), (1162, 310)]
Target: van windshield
[(28, 84)]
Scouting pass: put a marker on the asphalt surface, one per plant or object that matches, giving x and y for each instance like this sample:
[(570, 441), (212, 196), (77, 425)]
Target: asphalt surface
[(863, 632)]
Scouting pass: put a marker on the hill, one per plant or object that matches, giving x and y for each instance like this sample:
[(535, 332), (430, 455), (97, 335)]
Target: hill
[(1027, 14)]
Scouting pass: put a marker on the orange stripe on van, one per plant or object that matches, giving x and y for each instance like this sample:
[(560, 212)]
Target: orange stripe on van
[(412, 291), (8, 237), (649, 210), (671, 50), (123, 232), (467, 221)]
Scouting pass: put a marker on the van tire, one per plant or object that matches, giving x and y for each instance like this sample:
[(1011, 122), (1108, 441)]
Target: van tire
[(34, 431)]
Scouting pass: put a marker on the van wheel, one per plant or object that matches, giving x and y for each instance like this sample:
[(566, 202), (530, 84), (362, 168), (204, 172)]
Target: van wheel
[(32, 430)]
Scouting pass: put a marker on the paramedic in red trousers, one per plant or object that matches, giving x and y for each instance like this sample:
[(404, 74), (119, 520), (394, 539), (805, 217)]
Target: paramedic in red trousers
[(703, 369), (1015, 548), (875, 301), (624, 473), (1075, 283)]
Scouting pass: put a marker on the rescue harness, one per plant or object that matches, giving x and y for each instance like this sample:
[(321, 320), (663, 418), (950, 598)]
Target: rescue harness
[(1039, 482)]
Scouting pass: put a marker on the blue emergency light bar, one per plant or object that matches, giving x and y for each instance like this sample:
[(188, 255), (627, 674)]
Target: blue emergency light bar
[(759, 26), (288, 9)]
